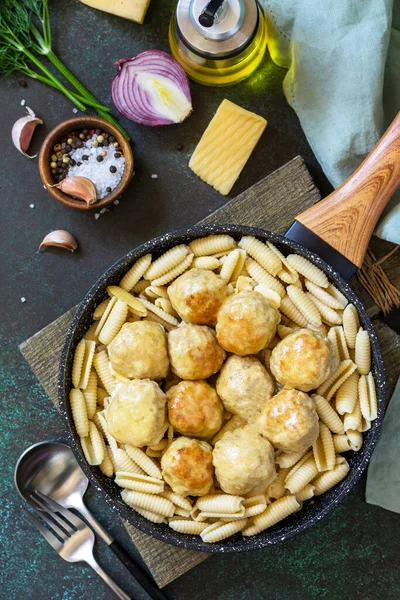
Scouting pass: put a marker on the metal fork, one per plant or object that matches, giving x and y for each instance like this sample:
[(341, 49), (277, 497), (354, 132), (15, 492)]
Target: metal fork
[(69, 535)]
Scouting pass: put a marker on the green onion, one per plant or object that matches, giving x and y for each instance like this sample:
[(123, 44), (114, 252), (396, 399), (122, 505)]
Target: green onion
[(25, 39)]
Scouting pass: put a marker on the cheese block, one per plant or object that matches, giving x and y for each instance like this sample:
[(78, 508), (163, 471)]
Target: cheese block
[(135, 10), (226, 145)]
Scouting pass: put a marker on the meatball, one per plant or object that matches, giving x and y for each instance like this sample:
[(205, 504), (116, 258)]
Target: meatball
[(197, 296), (246, 323), (139, 351), (137, 414), (243, 459), (194, 352), (187, 467), (194, 409), (303, 360), (289, 420), (244, 385)]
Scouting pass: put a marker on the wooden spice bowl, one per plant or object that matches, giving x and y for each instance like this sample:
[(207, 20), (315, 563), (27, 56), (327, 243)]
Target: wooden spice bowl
[(75, 124)]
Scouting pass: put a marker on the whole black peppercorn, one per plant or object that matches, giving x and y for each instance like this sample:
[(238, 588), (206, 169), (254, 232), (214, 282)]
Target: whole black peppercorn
[(111, 139), (23, 83), (63, 145), (106, 143), (72, 162), (59, 170), (85, 157), (68, 147), (117, 155), (113, 169), (85, 131), (100, 144), (108, 190), (106, 135), (79, 163), (99, 158), (54, 171), (79, 143), (98, 132)]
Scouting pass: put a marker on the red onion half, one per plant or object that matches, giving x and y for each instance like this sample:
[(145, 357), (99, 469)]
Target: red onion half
[(152, 89)]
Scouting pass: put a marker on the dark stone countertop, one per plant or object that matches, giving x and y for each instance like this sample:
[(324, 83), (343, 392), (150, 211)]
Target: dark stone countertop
[(354, 552)]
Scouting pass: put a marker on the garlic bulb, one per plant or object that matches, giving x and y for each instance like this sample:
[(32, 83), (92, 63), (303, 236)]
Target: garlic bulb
[(60, 239), (22, 131), (80, 187)]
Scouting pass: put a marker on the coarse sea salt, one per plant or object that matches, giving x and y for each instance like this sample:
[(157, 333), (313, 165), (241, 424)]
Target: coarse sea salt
[(98, 172)]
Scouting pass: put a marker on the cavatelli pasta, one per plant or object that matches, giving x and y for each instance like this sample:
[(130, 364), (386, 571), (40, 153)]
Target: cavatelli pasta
[(220, 530), (353, 420), (150, 516), (79, 412), (303, 475), (351, 324), (106, 466), (328, 315), (101, 395), (254, 505), (308, 270), (244, 283), (229, 265), (157, 310), (78, 363), (292, 312), (261, 254), (212, 244), (179, 501), (329, 387), (90, 394), (284, 331), (273, 297), (260, 275), (91, 333), (275, 512), (363, 352), (93, 446), (335, 293), (90, 348), (166, 262), (355, 439), (151, 502), (101, 425), (123, 462), (306, 493), (208, 263), (305, 305), (134, 304), (239, 265), (341, 443), (328, 415), (324, 450), (166, 306), (288, 274), (336, 336), (367, 396), (325, 481), (174, 273), (277, 488), (220, 503), (288, 459), (139, 483), (100, 362), (189, 527), (99, 310), (323, 295), (347, 394), (104, 316), (144, 462), (135, 273), (140, 286)]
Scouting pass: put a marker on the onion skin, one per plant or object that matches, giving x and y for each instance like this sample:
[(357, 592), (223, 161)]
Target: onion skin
[(132, 101)]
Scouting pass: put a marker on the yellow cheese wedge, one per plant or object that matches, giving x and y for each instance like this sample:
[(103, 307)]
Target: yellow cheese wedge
[(135, 10), (226, 145)]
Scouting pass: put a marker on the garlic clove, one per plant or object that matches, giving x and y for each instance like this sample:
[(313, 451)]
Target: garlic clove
[(60, 239), (22, 132), (80, 187)]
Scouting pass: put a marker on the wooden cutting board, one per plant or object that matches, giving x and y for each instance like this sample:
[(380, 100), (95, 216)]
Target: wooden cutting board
[(271, 203)]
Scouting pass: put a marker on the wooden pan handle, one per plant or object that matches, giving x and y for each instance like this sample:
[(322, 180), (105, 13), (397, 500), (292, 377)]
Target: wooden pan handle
[(347, 217)]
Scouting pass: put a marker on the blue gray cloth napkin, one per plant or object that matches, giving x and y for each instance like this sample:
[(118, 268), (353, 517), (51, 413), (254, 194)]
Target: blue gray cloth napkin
[(343, 81)]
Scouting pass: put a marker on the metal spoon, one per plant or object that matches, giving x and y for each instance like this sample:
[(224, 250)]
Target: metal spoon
[(51, 468)]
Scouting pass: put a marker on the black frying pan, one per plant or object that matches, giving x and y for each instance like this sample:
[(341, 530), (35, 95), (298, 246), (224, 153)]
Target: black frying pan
[(334, 235)]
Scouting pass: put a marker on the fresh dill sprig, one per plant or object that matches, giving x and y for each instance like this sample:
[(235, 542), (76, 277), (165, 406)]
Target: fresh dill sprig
[(25, 37)]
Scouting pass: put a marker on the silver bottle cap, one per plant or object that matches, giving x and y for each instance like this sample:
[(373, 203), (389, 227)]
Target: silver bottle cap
[(224, 32)]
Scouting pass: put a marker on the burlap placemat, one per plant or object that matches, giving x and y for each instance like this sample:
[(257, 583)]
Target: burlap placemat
[(272, 203)]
